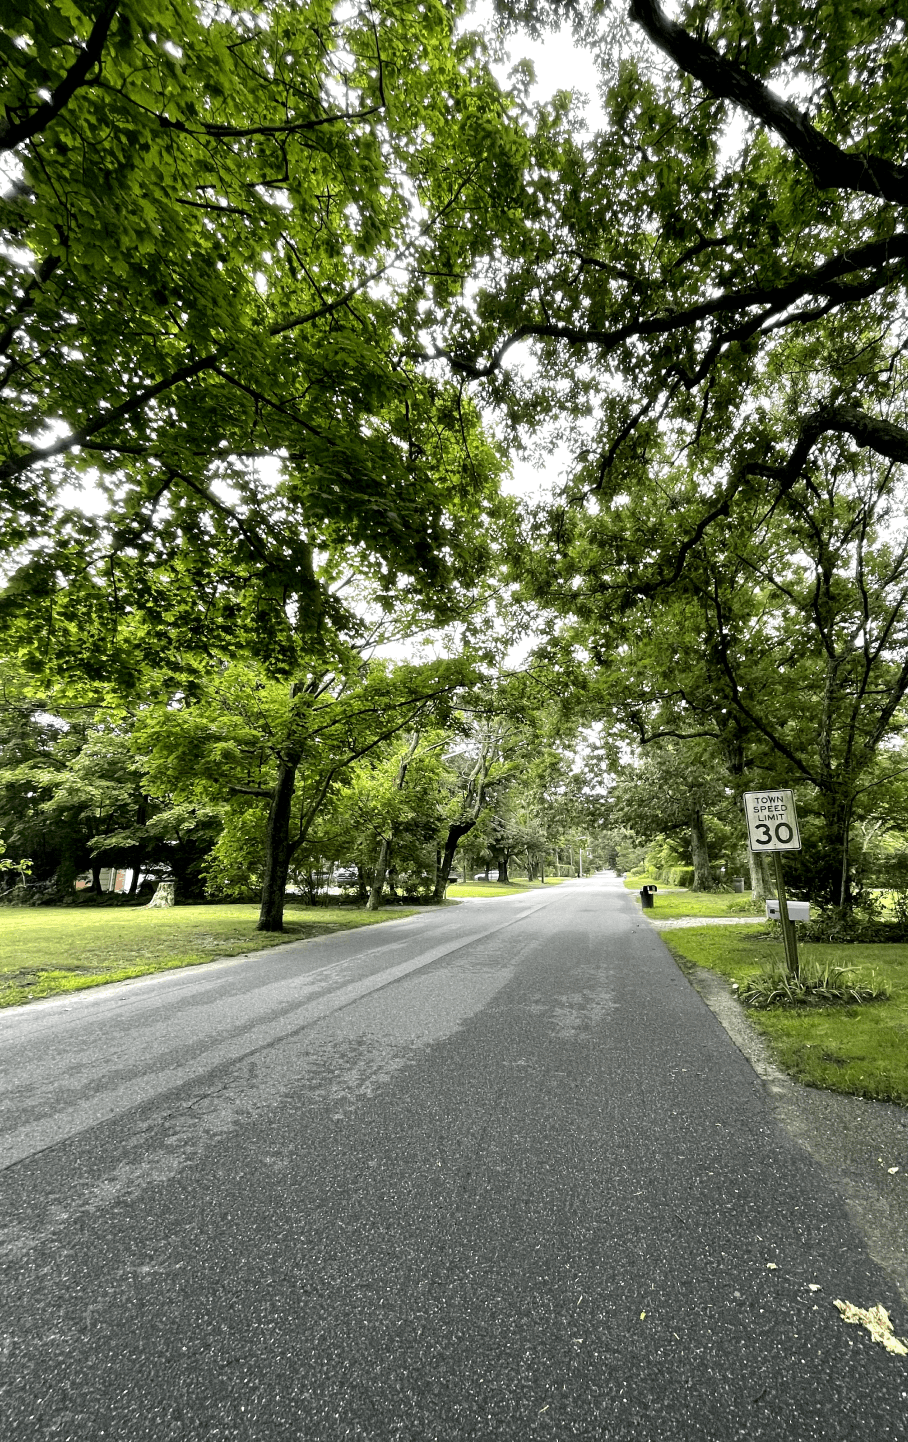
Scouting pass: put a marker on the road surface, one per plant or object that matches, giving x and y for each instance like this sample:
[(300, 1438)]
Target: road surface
[(492, 1172)]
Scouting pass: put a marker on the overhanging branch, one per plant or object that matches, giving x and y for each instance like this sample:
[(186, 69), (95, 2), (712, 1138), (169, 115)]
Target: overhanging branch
[(16, 133), (831, 167)]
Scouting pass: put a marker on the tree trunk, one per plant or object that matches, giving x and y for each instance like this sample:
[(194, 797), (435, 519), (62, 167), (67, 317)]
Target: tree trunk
[(757, 875), (845, 893), (378, 879), (501, 861), (456, 832), (703, 877), (277, 849), (96, 869), (832, 857)]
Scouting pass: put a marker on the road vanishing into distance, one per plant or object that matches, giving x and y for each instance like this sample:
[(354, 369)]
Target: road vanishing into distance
[(491, 1172)]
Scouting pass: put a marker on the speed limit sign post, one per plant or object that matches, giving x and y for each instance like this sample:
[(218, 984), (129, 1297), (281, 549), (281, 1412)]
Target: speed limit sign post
[(772, 825)]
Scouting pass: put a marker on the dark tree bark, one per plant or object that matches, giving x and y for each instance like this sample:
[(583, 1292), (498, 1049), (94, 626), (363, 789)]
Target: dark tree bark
[(14, 131), (703, 877), (456, 832), (378, 877), (830, 166), (277, 848)]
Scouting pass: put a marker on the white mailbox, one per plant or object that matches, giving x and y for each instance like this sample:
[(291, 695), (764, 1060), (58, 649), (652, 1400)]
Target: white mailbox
[(797, 910)]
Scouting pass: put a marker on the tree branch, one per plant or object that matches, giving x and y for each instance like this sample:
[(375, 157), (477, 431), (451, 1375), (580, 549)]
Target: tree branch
[(876, 256), (12, 134), (831, 167), (44, 272)]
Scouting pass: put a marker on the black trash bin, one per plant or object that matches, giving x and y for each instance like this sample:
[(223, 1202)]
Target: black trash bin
[(647, 897), (738, 883)]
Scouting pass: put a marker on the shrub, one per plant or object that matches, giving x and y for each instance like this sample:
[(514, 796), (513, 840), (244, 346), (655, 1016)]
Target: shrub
[(846, 927), (814, 986), (681, 876), (899, 901)]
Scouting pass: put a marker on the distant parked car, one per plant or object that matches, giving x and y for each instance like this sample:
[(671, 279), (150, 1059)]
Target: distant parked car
[(481, 876), (345, 876)]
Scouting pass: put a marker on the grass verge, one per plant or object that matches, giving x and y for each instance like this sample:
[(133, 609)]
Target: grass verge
[(861, 1050), (634, 883), (47, 950), (671, 902), (459, 891)]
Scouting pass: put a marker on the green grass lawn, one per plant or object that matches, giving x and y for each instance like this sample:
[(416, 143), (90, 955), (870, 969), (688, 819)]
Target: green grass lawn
[(674, 901), (634, 883), (861, 1050), (45, 950), (460, 890)]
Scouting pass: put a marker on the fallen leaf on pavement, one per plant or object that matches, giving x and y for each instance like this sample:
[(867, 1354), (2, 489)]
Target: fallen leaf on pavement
[(876, 1320)]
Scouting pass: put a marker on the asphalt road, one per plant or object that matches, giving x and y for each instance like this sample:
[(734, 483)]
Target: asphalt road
[(495, 1172)]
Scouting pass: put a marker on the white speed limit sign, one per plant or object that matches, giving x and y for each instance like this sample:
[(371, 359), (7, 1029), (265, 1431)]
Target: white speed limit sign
[(772, 820)]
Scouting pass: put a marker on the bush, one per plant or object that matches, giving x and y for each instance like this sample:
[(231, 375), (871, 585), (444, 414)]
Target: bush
[(680, 876), (846, 927), (814, 986)]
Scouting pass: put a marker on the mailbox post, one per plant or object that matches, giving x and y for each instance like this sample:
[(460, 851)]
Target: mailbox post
[(772, 825)]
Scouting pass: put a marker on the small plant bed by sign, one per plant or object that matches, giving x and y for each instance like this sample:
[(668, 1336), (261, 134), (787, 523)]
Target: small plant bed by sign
[(814, 985)]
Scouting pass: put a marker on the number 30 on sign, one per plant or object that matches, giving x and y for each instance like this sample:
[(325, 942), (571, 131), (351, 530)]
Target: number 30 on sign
[(772, 821)]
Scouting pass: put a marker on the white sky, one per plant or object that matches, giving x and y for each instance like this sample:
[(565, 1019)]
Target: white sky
[(559, 65)]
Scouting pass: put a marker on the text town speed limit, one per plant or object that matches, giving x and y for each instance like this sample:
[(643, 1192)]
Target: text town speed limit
[(772, 821)]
